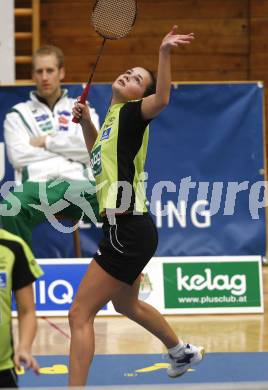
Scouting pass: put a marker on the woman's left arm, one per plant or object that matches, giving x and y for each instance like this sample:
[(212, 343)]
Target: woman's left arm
[(27, 328), (154, 104)]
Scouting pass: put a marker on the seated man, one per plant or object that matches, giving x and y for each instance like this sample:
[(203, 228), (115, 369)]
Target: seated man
[(18, 270), (48, 153)]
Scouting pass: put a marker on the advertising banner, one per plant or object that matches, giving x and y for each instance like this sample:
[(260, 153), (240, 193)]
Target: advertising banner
[(213, 285), (176, 285), (204, 173), (55, 291)]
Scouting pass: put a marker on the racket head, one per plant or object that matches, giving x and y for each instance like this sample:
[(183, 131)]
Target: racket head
[(114, 19)]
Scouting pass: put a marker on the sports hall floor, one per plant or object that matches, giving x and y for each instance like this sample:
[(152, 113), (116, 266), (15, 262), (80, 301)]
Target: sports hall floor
[(226, 334)]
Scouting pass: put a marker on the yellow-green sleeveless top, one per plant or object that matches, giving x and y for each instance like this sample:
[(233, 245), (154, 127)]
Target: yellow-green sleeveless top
[(118, 157)]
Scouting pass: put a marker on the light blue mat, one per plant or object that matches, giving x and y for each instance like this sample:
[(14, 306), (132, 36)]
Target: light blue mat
[(151, 369)]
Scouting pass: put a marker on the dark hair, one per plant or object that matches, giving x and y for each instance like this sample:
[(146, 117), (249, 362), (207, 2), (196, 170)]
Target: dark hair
[(48, 50), (151, 88)]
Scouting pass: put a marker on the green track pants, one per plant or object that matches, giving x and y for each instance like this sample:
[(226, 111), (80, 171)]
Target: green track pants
[(32, 203)]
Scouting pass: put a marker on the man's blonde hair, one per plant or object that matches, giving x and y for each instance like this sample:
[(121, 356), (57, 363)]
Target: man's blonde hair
[(48, 50)]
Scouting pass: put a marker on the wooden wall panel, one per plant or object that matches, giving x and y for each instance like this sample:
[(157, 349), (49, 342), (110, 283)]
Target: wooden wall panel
[(259, 8), (258, 57), (181, 75), (158, 27), (220, 51), (111, 63), (160, 9), (149, 45)]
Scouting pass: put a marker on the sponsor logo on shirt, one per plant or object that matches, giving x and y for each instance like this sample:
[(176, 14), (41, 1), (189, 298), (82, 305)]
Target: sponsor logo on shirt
[(65, 113), (3, 279), (47, 126), (106, 133), (41, 118), (95, 161), (109, 121), (63, 121), (44, 122)]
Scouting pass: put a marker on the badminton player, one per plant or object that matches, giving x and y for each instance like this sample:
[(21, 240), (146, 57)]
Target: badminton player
[(18, 271), (118, 154)]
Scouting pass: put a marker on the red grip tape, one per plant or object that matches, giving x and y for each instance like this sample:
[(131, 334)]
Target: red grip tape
[(82, 100)]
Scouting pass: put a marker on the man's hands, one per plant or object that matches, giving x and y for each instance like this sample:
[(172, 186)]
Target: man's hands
[(174, 39), (39, 142), (25, 358)]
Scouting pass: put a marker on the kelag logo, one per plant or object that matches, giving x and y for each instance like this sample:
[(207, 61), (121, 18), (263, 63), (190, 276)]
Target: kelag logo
[(236, 284), (211, 284)]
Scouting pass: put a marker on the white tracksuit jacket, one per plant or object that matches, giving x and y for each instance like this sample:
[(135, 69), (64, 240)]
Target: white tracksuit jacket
[(65, 155)]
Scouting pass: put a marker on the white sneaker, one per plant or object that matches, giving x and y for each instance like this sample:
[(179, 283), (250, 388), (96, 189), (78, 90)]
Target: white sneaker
[(188, 355)]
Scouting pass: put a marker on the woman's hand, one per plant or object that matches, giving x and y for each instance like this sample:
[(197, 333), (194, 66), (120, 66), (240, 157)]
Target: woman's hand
[(173, 39), (25, 358), (81, 112)]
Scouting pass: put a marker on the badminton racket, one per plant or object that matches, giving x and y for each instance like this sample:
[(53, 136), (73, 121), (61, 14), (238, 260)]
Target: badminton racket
[(111, 19)]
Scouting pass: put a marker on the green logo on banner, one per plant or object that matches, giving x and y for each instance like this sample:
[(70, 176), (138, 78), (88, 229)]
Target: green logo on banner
[(211, 284)]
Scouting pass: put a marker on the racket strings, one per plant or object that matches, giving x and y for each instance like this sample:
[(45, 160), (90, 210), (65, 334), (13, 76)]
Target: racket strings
[(113, 19)]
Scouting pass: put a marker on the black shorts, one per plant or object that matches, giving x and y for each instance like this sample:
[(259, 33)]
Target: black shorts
[(8, 378), (128, 245)]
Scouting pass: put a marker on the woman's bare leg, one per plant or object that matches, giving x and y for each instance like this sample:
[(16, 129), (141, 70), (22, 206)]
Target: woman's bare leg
[(126, 302), (96, 289)]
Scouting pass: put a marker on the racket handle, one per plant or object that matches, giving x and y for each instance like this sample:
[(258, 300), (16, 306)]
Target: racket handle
[(82, 100)]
